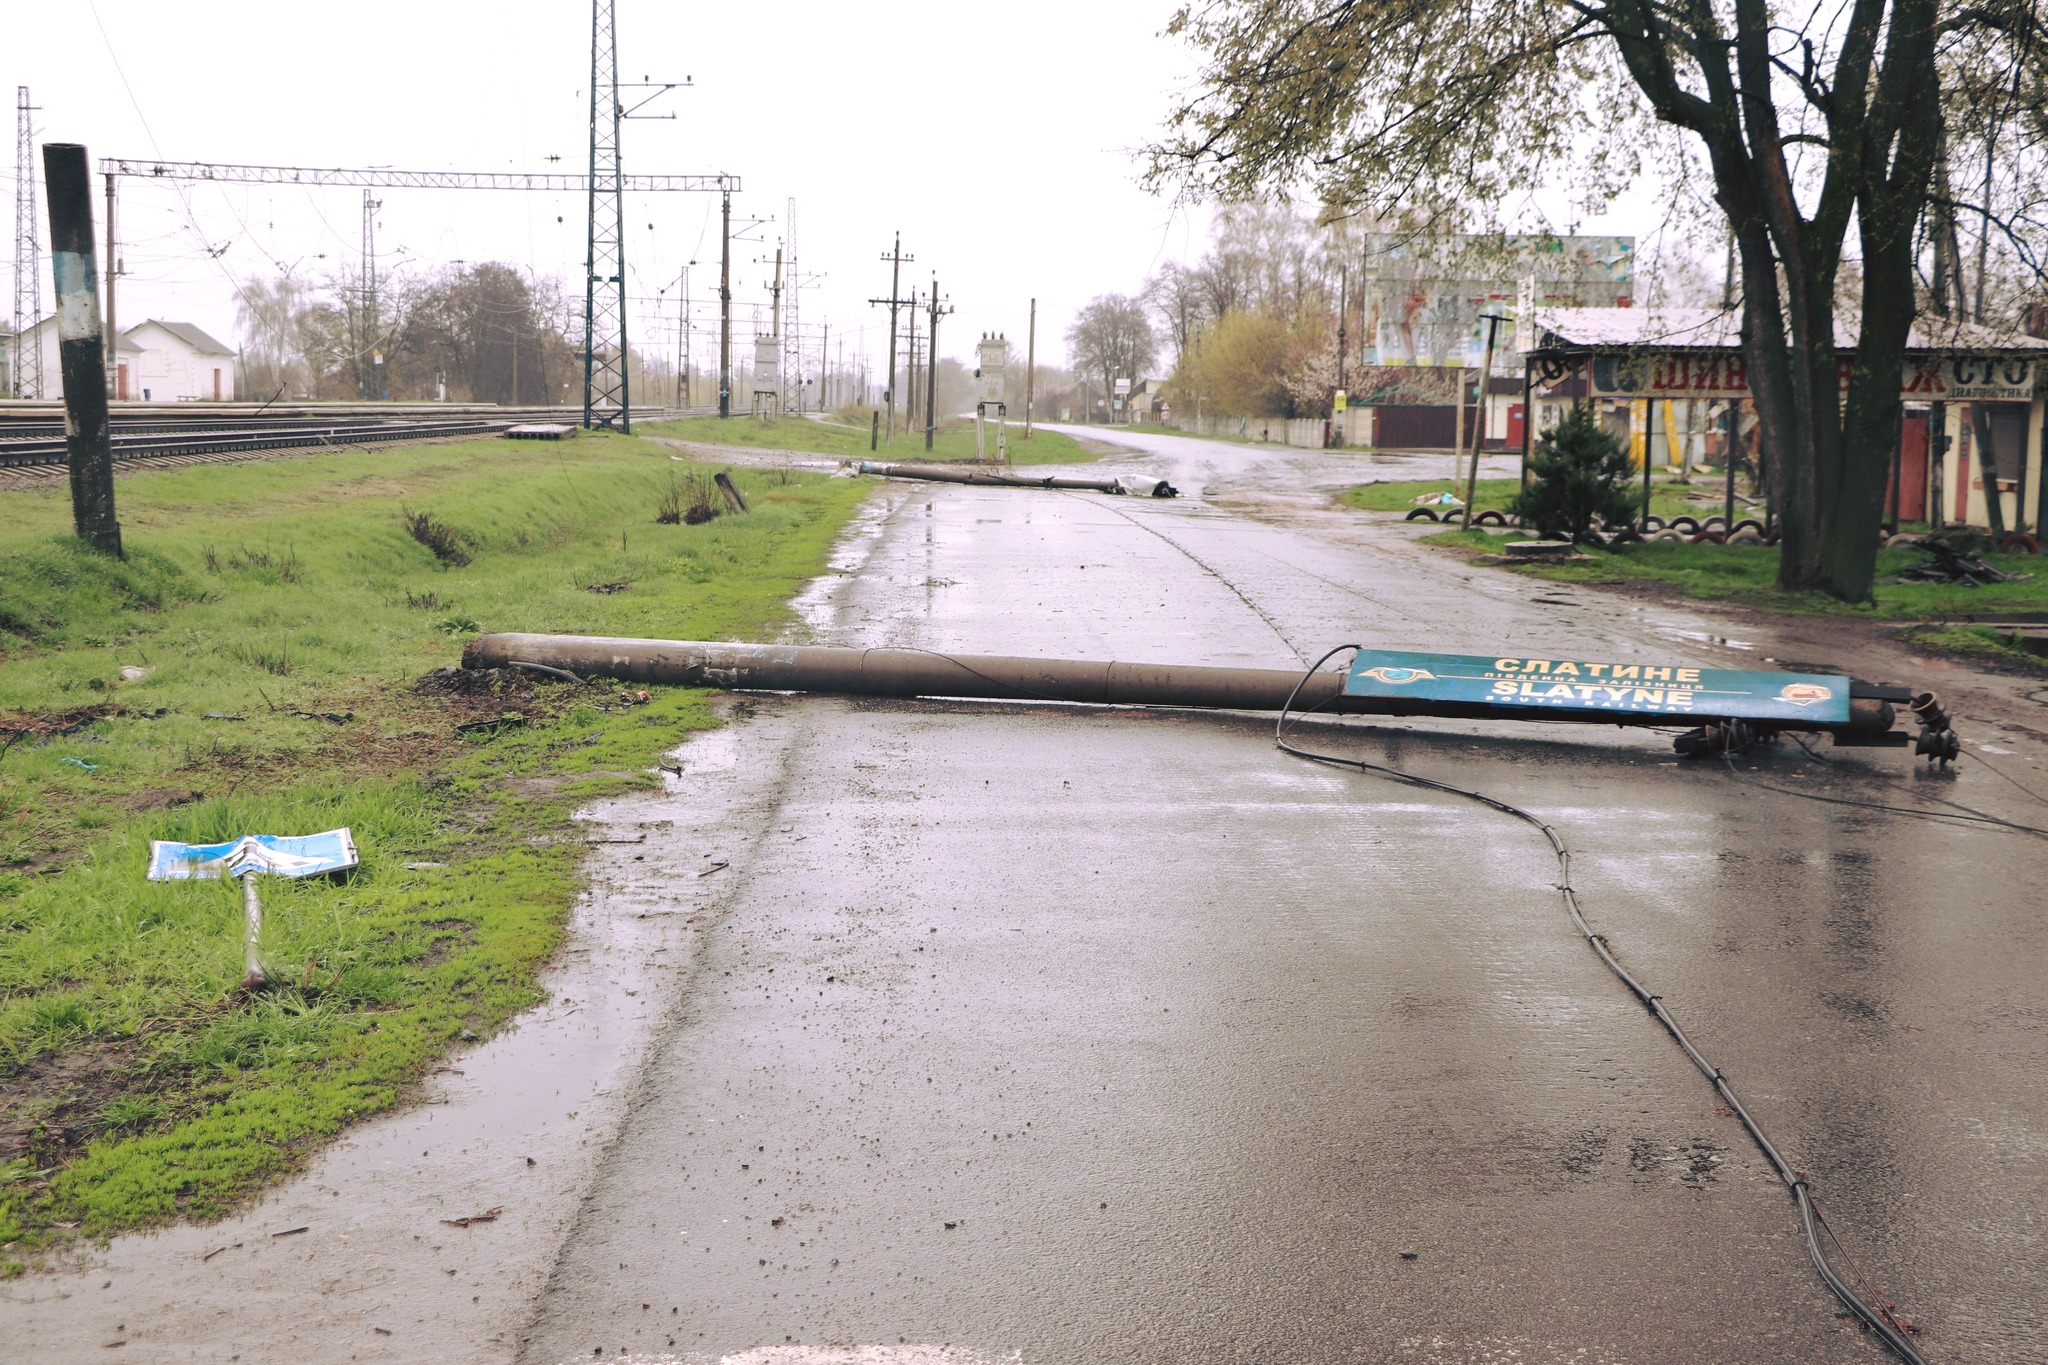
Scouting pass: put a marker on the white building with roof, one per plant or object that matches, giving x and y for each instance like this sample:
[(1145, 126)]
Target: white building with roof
[(175, 362)]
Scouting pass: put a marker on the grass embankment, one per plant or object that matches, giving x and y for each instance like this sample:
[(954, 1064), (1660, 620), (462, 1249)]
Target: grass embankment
[(1667, 500), (953, 441), (283, 613)]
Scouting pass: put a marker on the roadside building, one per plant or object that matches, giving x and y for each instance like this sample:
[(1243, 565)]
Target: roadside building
[(1427, 304), (40, 340), (174, 362), (1673, 382)]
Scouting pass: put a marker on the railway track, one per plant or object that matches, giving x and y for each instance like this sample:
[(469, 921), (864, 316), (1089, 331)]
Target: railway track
[(19, 452), (32, 434)]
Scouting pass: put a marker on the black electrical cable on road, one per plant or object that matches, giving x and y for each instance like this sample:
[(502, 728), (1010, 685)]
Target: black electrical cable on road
[(1879, 1320)]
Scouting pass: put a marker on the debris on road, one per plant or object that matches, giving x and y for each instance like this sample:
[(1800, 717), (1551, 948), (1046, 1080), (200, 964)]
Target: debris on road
[(1452, 686), (1950, 563), (1149, 488), (467, 1220)]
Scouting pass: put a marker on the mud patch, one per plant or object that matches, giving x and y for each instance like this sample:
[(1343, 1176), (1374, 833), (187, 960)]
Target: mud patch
[(163, 798), (52, 1106)]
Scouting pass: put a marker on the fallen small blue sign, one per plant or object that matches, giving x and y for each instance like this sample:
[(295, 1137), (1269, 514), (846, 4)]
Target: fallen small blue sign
[(1516, 682), (303, 855)]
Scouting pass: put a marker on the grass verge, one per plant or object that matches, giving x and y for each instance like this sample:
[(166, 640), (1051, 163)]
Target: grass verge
[(252, 667), (953, 441), (2004, 650), (1748, 574)]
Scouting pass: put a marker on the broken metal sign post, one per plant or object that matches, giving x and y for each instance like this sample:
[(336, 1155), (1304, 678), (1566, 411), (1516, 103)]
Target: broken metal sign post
[(308, 855)]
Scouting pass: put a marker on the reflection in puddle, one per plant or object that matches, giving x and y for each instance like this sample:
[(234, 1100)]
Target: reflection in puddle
[(1701, 637)]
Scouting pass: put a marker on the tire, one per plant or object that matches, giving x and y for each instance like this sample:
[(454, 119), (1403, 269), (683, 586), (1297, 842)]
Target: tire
[(1489, 518), (1668, 536), (1770, 537), (1420, 514), (1685, 524), (1627, 535), (1752, 523), (1716, 523), (2020, 542), (1709, 538), (1650, 524), (1745, 534)]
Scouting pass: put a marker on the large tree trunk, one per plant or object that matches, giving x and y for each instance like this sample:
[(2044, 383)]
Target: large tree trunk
[(1854, 485)]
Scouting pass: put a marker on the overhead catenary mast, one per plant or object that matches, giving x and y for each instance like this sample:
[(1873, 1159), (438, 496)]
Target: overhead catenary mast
[(26, 363), (607, 397)]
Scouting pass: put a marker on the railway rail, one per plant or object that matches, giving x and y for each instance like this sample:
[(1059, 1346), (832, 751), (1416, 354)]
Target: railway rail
[(32, 434), (33, 451)]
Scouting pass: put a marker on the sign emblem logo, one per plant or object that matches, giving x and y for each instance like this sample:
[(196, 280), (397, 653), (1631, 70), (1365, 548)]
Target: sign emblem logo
[(1805, 694), (1397, 676)]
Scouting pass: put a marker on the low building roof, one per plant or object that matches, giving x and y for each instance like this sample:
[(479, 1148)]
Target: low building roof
[(192, 336), (124, 344), (1678, 329)]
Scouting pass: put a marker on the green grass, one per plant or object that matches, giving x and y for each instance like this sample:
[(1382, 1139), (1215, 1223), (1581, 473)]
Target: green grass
[(954, 440), (1667, 499), (136, 1084), (1983, 644), (1748, 574)]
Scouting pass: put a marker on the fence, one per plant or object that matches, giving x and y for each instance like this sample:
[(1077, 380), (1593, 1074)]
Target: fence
[(1308, 433)]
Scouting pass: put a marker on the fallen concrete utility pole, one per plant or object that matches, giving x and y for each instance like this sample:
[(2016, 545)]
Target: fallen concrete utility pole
[(1144, 488), (1524, 689)]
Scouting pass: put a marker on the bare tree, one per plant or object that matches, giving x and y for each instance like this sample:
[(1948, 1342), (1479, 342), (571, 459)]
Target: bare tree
[(1175, 293), (1112, 337)]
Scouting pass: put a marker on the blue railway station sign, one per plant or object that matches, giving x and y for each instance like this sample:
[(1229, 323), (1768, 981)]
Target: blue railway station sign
[(1517, 683)]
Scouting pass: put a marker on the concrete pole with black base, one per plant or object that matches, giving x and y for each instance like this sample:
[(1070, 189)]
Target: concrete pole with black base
[(82, 356)]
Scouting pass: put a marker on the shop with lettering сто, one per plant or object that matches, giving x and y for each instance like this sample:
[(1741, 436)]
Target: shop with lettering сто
[(1673, 383)]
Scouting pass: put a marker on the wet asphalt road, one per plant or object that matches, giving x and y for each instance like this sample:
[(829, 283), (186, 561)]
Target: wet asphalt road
[(1042, 1034), (1187, 1040)]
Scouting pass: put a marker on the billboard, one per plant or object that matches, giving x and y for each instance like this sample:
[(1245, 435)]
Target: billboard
[(1425, 298), (1724, 373), (1579, 686)]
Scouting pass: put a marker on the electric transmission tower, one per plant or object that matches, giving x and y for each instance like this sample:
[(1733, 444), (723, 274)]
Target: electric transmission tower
[(607, 394), (606, 397), (28, 289)]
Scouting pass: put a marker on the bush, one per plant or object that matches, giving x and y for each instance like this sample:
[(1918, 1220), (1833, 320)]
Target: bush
[(1580, 477), (444, 540)]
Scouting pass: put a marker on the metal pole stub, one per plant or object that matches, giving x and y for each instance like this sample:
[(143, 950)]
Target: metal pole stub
[(81, 347)]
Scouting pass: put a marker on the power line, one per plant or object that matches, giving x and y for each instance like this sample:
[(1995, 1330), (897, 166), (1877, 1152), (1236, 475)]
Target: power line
[(386, 178)]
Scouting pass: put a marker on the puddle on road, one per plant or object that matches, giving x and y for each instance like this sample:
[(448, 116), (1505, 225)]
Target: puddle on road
[(912, 1354), (1701, 637)]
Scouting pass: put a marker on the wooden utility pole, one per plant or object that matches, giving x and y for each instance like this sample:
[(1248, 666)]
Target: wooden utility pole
[(82, 359), (725, 308), (910, 367), (1493, 322), (1030, 367), (931, 350), (896, 258), (113, 264)]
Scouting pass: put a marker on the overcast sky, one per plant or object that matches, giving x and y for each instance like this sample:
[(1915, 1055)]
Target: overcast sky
[(998, 138)]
